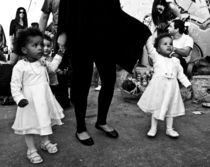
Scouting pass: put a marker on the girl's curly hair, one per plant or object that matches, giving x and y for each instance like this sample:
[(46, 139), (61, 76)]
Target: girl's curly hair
[(23, 38), (159, 37)]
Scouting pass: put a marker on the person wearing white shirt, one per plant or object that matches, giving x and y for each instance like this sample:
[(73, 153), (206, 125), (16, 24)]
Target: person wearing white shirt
[(182, 43)]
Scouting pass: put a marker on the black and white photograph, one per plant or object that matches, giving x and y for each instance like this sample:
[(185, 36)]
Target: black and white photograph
[(105, 83)]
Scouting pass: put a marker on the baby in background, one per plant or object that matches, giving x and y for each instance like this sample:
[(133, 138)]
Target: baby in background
[(48, 60)]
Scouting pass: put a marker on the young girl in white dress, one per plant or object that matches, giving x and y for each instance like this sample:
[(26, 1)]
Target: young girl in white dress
[(37, 109), (162, 96)]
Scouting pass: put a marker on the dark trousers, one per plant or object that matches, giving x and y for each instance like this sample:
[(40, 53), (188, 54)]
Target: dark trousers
[(183, 64), (80, 85), (61, 91), (5, 78)]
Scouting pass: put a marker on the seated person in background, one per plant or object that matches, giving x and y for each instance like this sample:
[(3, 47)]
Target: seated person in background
[(162, 12), (182, 43), (3, 42)]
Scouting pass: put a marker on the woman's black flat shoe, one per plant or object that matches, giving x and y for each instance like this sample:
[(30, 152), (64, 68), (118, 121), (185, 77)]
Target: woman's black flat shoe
[(87, 142), (111, 134)]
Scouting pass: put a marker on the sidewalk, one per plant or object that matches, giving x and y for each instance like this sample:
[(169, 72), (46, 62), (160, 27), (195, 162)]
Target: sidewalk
[(131, 149)]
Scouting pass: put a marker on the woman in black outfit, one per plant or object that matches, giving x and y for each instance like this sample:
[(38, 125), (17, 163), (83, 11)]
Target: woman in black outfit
[(98, 31), (20, 22)]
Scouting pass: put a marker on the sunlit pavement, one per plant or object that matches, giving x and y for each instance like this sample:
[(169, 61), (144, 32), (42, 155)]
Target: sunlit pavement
[(131, 149)]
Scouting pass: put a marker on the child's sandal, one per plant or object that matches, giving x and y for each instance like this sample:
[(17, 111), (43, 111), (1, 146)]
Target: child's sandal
[(49, 147), (34, 157)]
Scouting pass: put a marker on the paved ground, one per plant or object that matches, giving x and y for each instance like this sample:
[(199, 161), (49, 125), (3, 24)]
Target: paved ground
[(131, 149)]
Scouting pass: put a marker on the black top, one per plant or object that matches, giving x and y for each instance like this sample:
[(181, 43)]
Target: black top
[(14, 27), (102, 25)]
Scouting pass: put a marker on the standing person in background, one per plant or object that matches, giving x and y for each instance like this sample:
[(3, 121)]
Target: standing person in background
[(52, 7), (20, 22), (49, 6), (3, 41), (98, 32)]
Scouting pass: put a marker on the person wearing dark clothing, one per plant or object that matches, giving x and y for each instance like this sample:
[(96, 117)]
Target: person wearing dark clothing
[(98, 32), (162, 12), (20, 22)]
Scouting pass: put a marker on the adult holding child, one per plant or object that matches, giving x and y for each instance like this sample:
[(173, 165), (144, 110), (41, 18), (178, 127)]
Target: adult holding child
[(98, 32)]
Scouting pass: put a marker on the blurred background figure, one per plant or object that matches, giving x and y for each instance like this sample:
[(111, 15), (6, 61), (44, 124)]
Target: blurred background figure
[(3, 41), (19, 22), (5, 71), (162, 12), (35, 25)]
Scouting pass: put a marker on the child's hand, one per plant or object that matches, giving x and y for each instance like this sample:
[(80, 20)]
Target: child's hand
[(23, 103), (62, 39)]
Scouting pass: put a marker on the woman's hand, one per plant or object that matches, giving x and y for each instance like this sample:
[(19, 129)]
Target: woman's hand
[(62, 38)]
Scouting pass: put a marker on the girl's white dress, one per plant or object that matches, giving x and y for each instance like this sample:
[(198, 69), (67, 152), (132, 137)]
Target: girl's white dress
[(30, 81), (162, 96)]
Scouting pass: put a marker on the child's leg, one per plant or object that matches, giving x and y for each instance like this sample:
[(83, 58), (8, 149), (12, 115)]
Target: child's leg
[(153, 130), (169, 128), (32, 154), (47, 145), (30, 142)]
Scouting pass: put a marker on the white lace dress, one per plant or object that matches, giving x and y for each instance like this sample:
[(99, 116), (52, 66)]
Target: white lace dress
[(30, 81)]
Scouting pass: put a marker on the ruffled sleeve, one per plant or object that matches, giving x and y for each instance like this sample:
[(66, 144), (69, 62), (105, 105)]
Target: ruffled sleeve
[(53, 65)]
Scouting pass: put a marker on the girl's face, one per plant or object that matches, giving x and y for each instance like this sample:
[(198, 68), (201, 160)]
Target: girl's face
[(165, 46), (34, 48), (47, 47)]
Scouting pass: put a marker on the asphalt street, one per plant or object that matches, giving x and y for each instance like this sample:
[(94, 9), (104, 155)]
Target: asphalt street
[(131, 149)]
